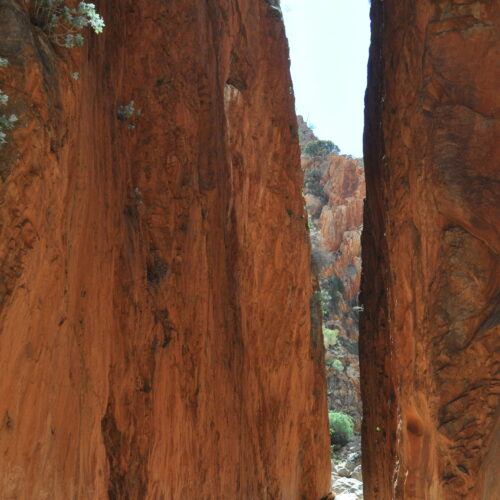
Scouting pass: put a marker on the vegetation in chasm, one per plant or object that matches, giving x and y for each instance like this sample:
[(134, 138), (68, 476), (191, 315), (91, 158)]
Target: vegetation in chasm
[(333, 190), (320, 149), (341, 428)]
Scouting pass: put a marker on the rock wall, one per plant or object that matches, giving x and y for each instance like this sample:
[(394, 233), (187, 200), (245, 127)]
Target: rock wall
[(342, 220), (429, 331), (340, 226), (334, 202), (156, 333)]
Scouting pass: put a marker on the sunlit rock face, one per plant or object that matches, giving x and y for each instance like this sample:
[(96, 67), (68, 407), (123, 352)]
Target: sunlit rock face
[(342, 218), (156, 333), (429, 330)]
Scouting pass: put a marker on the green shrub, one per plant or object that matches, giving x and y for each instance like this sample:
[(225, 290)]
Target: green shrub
[(337, 364), (313, 183), (320, 149), (63, 24), (341, 428), (333, 286), (329, 337)]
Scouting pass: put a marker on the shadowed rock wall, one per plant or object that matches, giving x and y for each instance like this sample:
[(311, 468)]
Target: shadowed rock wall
[(155, 323), (429, 331)]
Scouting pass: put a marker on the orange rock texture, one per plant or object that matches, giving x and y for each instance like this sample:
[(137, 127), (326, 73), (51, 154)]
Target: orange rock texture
[(338, 218), (429, 331), (342, 219), (156, 333)]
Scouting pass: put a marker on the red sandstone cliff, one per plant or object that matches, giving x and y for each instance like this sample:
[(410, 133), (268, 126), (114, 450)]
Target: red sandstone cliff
[(156, 334), (342, 219), (336, 220), (429, 332)]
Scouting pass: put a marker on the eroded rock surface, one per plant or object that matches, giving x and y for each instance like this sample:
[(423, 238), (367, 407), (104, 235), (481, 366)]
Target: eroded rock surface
[(429, 331), (156, 338)]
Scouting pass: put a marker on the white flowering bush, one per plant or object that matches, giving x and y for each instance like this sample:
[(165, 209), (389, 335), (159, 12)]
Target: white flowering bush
[(63, 24), (6, 121), (127, 113)]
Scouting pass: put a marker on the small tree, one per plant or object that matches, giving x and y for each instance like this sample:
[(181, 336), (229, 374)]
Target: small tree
[(313, 183), (335, 288), (320, 149)]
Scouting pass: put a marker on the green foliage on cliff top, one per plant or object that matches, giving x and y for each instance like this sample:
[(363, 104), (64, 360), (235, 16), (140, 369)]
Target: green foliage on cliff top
[(320, 149)]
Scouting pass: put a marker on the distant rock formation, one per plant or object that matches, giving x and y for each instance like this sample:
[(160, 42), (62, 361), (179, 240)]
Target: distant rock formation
[(334, 190)]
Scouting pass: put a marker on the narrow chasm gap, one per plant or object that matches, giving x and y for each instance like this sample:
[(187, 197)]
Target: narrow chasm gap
[(329, 41), (334, 189)]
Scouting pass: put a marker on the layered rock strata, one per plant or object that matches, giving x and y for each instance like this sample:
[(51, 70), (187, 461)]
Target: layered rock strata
[(429, 331), (157, 338)]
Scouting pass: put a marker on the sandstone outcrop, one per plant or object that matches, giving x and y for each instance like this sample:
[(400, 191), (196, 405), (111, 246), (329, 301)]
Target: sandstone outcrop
[(156, 335), (429, 331), (342, 220)]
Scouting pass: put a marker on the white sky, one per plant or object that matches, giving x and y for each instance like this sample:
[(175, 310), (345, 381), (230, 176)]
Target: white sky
[(329, 41)]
